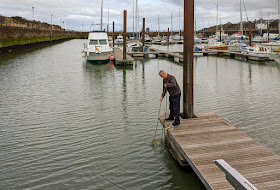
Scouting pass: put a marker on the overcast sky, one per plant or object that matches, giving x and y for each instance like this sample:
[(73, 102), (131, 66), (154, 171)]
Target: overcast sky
[(84, 13)]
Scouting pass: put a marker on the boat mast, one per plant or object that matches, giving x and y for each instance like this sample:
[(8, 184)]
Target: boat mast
[(261, 21), (137, 19), (217, 19), (133, 18), (101, 24), (241, 23), (108, 20), (179, 20), (158, 25), (279, 17), (195, 19), (171, 24)]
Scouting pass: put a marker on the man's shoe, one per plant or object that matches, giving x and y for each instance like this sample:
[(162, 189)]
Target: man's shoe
[(169, 119), (175, 124)]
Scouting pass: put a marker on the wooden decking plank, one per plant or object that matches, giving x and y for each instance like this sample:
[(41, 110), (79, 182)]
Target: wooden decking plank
[(220, 143), (223, 147)]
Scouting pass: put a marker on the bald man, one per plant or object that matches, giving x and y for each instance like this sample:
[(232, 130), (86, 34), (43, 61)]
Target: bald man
[(170, 84)]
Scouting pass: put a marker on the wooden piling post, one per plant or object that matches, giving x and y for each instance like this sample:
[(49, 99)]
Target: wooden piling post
[(221, 33), (188, 110), (124, 33), (143, 34), (250, 33), (168, 36), (113, 35)]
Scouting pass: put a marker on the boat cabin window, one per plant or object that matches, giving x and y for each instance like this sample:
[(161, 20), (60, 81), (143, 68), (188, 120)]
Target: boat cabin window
[(102, 42), (93, 42)]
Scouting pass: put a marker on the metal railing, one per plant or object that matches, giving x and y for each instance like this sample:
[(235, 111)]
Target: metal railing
[(238, 181)]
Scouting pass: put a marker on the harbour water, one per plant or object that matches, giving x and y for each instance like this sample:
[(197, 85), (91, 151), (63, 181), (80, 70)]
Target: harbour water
[(68, 124)]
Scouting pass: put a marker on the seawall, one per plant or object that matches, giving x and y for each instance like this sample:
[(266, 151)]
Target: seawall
[(17, 39)]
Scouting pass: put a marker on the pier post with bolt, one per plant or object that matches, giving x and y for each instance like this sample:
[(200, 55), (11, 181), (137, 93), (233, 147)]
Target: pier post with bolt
[(188, 110), (124, 33)]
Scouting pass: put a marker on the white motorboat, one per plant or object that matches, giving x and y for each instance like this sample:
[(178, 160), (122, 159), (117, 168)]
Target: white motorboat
[(157, 39), (214, 45), (197, 40), (270, 36), (204, 40), (97, 47), (177, 38), (274, 46), (259, 51), (147, 38), (119, 39), (258, 39), (236, 45), (238, 36)]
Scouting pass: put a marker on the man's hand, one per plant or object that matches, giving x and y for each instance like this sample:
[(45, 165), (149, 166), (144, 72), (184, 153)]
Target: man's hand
[(165, 86), (161, 99)]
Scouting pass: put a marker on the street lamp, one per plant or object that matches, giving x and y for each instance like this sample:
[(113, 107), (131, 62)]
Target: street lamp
[(33, 13)]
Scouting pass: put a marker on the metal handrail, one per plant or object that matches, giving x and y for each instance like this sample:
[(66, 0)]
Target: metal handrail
[(238, 181)]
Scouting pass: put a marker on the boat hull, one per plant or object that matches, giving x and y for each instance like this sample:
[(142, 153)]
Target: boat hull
[(98, 57), (217, 47)]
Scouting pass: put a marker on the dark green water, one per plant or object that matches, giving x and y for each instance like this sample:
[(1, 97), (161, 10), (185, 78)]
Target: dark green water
[(68, 124)]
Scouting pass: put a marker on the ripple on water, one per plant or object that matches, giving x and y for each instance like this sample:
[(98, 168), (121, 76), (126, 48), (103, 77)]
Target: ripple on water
[(67, 124)]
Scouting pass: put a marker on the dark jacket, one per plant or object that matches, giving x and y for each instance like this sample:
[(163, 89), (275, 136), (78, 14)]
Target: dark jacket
[(172, 86)]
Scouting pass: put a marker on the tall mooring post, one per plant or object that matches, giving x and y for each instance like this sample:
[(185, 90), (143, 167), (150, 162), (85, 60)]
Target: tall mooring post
[(168, 34), (143, 35), (188, 110), (124, 34), (250, 33), (113, 35)]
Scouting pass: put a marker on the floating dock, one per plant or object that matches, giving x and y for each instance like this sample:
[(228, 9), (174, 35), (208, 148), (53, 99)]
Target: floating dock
[(178, 56), (200, 141), (118, 54)]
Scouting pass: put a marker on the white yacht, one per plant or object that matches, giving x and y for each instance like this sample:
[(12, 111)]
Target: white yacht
[(147, 38), (157, 39), (236, 45), (119, 39), (274, 46), (197, 40), (270, 36), (238, 36), (97, 47), (258, 38), (177, 37), (260, 51), (204, 40), (215, 45)]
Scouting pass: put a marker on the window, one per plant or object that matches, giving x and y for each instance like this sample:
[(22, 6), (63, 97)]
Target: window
[(102, 42), (93, 42)]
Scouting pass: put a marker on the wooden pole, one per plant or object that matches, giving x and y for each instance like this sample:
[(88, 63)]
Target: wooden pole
[(220, 33), (124, 34), (143, 35), (188, 110), (113, 35), (250, 33), (168, 36)]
